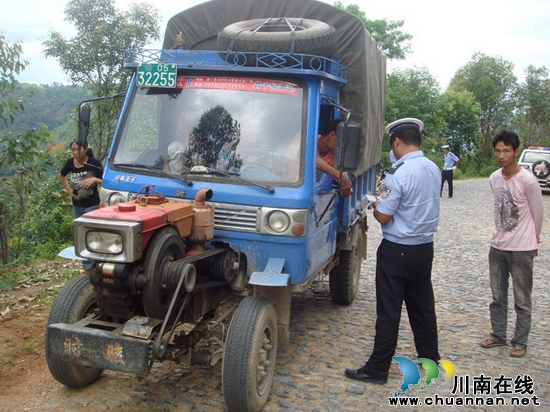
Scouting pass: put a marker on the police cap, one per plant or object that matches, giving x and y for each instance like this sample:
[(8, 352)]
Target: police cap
[(404, 124)]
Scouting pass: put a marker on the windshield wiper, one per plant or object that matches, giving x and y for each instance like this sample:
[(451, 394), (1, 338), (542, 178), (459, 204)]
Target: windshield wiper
[(156, 169), (206, 170)]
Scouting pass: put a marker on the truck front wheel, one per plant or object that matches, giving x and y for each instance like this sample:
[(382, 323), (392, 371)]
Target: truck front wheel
[(250, 353), (75, 301)]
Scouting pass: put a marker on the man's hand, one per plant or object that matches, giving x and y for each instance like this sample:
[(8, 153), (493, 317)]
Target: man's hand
[(345, 186)]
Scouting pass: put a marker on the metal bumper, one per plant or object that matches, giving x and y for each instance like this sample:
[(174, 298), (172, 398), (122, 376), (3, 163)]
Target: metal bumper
[(106, 348)]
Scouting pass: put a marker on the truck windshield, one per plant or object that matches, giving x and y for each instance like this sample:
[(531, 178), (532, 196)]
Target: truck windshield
[(242, 126)]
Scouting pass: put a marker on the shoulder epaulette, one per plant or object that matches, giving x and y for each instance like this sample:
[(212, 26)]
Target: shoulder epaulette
[(394, 168)]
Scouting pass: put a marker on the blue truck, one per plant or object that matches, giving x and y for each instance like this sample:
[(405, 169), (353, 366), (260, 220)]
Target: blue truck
[(214, 211)]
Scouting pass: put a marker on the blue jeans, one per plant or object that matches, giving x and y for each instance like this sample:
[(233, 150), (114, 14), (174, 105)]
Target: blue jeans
[(518, 266), (79, 211)]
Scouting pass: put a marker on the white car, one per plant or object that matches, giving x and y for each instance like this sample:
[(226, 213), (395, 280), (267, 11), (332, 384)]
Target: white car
[(537, 160)]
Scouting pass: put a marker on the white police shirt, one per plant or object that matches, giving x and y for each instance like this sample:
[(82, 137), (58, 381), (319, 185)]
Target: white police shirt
[(449, 160), (410, 194)]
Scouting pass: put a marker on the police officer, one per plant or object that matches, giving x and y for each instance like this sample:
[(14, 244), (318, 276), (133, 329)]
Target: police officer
[(408, 210), (450, 163)]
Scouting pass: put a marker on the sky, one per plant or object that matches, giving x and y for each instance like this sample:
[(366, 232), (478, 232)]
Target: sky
[(445, 34)]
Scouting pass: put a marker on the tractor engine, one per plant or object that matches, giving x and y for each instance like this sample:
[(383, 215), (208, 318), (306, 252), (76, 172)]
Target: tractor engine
[(146, 249)]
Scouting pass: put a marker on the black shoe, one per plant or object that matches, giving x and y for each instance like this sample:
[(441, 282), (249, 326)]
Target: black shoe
[(359, 375)]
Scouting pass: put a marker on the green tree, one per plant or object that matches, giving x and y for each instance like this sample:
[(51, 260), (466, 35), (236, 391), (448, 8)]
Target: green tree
[(49, 227), (533, 118), (11, 66), (23, 158), (414, 93), (392, 41), (460, 113), (94, 55), (492, 82), (52, 106)]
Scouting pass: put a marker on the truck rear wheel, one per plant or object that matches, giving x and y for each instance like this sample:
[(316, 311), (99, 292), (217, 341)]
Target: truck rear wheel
[(275, 35), (75, 301), (250, 353), (344, 278)]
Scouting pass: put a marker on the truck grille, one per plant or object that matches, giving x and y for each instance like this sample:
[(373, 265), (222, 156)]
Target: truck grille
[(240, 218)]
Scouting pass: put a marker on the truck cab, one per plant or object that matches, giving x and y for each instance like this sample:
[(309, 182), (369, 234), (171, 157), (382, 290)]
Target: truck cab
[(250, 138)]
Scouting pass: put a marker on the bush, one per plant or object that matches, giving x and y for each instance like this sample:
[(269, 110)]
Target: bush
[(477, 165), (49, 226)]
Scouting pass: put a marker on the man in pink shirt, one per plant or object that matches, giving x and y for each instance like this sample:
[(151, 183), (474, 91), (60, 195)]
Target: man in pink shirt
[(518, 213)]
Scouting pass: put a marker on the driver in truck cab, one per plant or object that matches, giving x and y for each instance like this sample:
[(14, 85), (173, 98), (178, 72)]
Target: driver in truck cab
[(326, 144)]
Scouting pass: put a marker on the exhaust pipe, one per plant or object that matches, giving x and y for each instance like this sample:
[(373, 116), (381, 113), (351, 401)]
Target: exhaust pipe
[(203, 222)]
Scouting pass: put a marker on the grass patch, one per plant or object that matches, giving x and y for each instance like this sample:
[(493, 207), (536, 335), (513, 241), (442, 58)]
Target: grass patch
[(9, 279), (29, 347)]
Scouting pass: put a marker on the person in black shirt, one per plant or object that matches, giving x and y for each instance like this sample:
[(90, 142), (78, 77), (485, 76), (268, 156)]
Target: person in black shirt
[(85, 173)]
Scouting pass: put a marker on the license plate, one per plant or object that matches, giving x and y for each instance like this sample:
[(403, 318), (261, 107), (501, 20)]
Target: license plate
[(157, 75)]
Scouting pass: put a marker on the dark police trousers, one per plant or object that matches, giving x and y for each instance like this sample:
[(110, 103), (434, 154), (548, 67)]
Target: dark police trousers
[(403, 273), (448, 176)]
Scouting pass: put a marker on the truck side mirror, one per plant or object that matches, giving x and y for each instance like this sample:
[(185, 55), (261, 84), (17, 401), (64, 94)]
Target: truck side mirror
[(83, 123), (348, 145)]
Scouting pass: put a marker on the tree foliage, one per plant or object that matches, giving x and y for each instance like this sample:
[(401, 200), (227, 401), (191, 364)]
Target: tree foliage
[(94, 55), (23, 158), (533, 114), (11, 66), (413, 93), (492, 82), (51, 106), (392, 41), (460, 113)]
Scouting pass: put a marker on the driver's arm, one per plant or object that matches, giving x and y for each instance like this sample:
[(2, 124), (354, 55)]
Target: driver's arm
[(345, 186), (326, 168)]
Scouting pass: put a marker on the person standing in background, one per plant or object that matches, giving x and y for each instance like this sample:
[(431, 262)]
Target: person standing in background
[(518, 214), (450, 163), (85, 173)]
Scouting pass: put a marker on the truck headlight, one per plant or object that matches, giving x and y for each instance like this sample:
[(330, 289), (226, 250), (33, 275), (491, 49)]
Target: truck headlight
[(116, 241), (115, 198), (278, 221), (104, 242), (282, 222), (110, 197)]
